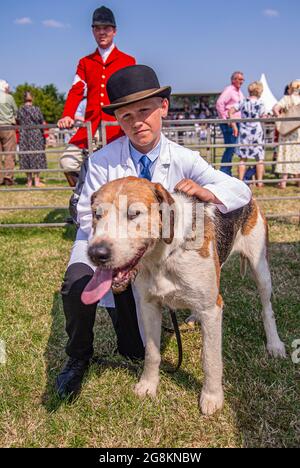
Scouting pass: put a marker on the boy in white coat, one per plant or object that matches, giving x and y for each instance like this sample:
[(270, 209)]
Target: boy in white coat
[(139, 104)]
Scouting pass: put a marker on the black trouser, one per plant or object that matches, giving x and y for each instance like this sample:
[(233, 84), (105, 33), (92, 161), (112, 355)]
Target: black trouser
[(80, 318)]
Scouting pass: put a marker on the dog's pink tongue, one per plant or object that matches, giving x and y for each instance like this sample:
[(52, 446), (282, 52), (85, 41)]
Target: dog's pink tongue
[(97, 287)]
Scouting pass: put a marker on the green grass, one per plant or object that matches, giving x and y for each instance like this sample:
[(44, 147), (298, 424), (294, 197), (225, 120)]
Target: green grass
[(261, 394)]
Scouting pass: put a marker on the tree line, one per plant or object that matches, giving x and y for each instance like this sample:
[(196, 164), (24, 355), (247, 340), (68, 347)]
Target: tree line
[(48, 98)]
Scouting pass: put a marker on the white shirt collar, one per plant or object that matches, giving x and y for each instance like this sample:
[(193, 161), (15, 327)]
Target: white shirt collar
[(105, 52), (152, 155)]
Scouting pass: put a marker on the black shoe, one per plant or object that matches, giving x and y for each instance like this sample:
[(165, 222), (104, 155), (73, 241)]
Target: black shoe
[(68, 382)]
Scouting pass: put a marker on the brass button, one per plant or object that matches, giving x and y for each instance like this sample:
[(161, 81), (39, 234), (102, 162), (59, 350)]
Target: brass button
[(101, 94), (102, 86), (101, 104)]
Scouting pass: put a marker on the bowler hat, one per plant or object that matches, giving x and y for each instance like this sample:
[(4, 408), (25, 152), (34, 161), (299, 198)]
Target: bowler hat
[(132, 84), (103, 16)]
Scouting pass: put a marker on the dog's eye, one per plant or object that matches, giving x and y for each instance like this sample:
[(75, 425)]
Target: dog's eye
[(133, 214), (99, 212)]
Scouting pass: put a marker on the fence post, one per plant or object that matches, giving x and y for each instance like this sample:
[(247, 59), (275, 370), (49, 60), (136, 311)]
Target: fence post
[(103, 133), (90, 136)]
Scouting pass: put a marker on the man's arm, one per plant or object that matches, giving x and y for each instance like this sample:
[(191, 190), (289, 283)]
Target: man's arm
[(75, 96), (14, 106), (234, 126), (221, 104)]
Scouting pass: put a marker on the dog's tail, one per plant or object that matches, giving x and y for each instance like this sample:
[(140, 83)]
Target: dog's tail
[(243, 265)]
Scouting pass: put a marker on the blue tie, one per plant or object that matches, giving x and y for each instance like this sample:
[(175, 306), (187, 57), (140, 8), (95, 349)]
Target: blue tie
[(145, 172)]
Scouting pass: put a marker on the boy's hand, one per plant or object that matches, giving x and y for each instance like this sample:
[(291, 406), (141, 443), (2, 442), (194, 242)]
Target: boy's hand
[(191, 188)]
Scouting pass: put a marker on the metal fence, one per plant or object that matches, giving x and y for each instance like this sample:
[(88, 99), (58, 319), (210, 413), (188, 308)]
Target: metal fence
[(201, 134)]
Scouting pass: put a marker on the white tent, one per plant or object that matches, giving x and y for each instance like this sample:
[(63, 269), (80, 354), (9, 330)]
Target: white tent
[(267, 96)]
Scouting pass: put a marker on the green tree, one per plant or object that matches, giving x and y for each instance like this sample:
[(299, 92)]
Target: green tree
[(49, 100)]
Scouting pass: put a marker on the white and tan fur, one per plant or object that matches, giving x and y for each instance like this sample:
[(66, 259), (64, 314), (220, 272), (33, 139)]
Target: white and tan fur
[(178, 277)]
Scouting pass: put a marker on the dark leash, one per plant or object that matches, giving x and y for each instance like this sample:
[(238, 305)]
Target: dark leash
[(175, 330)]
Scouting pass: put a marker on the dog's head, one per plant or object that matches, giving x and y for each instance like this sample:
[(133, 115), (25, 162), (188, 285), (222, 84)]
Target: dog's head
[(130, 216)]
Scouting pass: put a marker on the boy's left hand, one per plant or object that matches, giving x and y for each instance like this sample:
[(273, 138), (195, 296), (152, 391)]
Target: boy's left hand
[(191, 188)]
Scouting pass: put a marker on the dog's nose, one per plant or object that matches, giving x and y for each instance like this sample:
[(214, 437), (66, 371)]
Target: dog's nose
[(100, 252)]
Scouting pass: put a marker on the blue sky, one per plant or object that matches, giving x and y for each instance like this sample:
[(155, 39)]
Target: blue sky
[(194, 45)]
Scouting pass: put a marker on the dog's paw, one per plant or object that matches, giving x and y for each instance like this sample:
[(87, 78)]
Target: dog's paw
[(277, 349), (210, 403), (145, 387)]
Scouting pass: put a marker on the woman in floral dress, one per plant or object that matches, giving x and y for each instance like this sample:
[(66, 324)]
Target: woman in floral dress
[(31, 140), (251, 133)]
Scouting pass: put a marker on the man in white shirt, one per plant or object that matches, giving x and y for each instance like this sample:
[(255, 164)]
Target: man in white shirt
[(139, 103)]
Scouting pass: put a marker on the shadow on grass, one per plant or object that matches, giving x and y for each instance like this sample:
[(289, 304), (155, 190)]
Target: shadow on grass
[(54, 355), (60, 216), (55, 358)]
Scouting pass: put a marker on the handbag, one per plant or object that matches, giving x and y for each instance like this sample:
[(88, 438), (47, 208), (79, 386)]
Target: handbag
[(283, 127)]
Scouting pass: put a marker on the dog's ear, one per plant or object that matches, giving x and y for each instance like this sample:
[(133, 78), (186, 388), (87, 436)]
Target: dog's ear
[(162, 195), (93, 198), (165, 201)]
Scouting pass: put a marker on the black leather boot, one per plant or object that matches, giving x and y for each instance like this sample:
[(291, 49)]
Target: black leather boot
[(69, 381)]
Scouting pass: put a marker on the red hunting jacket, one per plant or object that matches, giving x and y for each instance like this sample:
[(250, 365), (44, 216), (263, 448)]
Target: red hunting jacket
[(92, 75)]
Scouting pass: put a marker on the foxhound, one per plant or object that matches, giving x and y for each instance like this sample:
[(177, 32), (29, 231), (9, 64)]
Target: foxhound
[(175, 261)]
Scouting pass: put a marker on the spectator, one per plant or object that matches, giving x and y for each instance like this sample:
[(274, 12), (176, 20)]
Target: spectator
[(229, 97), (92, 74), (288, 161), (31, 139), (8, 140), (203, 133), (276, 134), (250, 132)]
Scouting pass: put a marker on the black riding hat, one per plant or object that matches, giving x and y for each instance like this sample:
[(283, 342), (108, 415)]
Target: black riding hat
[(133, 84), (103, 17)]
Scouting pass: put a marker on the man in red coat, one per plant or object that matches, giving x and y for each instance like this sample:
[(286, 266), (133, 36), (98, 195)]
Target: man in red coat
[(92, 74)]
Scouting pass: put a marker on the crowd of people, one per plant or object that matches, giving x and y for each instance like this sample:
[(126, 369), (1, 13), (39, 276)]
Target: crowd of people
[(232, 104), (203, 110)]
